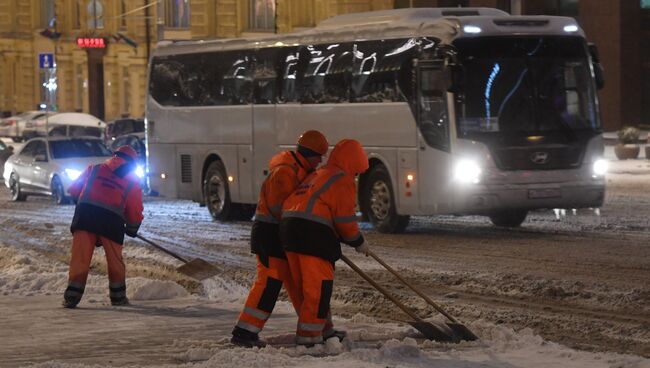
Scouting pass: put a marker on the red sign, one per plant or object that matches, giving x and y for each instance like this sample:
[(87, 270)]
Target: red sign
[(91, 43)]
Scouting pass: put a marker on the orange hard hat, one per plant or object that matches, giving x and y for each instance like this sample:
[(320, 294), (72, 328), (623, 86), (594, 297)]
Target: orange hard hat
[(126, 152), (314, 140)]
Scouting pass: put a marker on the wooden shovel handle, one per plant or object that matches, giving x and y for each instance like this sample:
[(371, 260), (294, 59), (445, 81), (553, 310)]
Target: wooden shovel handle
[(417, 291), (161, 248), (380, 289)]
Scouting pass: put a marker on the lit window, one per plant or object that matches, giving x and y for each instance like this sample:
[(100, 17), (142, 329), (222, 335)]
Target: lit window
[(122, 12), (47, 13), (76, 15), (95, 14), (645, 4), (262, 15), (177, 13)]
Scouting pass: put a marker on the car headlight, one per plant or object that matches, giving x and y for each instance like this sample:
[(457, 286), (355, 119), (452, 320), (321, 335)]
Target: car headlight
[(467, 171), (72, 174), (139, 171), (600, 167)]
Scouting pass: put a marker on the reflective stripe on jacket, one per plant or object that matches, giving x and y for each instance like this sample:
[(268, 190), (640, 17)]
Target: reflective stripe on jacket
[(326, 198), (107, 204), (286, 170)]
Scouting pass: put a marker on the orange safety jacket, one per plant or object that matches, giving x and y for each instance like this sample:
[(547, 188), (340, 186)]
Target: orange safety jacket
[(321, 212), (109, 200), (286, 170)]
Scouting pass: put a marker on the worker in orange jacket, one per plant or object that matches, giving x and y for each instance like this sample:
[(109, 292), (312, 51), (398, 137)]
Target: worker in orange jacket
[(108, 204), (286, 170), (316, 217)]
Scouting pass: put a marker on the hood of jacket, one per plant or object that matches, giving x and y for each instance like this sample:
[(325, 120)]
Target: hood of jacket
[(349, 156)]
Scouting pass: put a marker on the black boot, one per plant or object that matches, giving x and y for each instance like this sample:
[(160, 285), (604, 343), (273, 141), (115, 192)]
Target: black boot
[(120, 301), (247, 339), (339, 334), (70, 302)]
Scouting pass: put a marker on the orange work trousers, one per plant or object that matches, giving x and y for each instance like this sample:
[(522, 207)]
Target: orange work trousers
[(83, 246), (314, 279), (264, 294)]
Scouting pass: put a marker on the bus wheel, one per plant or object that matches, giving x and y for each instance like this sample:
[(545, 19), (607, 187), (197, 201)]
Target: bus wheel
[(508, 218), (378, 202), (216, 192)]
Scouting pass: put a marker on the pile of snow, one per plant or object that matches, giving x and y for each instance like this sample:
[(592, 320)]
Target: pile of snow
[(224, 290), (139, 288)]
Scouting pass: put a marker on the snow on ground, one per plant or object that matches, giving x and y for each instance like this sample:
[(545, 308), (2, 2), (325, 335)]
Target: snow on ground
[(173, 325), (26, 273)]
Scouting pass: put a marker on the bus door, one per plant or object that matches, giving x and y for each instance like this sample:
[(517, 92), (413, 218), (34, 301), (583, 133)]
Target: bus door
[(265, 86), (433, 120)]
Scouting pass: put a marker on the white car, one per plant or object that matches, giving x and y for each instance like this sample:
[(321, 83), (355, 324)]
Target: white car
[(69, 124), (49, 165), (16, 127)]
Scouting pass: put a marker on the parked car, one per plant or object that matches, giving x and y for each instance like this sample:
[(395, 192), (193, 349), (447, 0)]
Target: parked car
[(124, 126), (69, 124), (5, 152), (135, 140), (49, 165), (16, 127)]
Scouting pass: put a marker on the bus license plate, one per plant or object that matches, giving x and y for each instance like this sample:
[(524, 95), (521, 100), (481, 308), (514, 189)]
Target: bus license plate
[(544, 193)]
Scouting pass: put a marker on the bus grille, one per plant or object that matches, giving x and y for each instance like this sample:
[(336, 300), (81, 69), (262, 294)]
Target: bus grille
[(538, 158), (186, 168)]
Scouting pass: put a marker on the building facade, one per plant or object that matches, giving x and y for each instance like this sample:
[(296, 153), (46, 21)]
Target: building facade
[(100, 48)]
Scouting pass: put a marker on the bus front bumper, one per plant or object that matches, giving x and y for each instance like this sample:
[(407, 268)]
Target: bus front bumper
[(489, 198)]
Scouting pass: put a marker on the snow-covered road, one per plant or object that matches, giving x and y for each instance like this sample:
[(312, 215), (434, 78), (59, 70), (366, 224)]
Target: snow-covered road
[(582, 281)]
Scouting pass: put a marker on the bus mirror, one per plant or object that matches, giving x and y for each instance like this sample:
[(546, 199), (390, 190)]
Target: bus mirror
[(457, 76), (599, 73), (593, 51)]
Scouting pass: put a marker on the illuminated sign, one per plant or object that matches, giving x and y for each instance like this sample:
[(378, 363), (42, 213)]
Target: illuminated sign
[(91, 43)]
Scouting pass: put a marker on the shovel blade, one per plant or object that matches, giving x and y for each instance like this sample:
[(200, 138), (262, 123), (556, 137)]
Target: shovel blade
[(198, 269), (444, 332), (462, 332)]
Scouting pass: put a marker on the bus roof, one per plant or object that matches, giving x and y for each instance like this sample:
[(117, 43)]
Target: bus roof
[(445, 24)]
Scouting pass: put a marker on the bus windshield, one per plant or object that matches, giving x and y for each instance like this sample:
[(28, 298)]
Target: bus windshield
[(524, 86)]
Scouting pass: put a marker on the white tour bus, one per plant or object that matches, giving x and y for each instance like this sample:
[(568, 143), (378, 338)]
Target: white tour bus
[(461, 111)]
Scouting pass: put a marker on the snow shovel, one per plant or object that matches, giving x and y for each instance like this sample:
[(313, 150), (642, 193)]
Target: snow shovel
[(197, 268), (435, 332), (461, 332)]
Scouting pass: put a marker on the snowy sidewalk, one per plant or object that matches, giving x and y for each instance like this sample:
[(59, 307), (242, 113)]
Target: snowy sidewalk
[(193, 332)]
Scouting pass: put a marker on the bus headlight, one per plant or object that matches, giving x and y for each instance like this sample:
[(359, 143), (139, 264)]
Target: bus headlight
[(467, 171), (600, 167)]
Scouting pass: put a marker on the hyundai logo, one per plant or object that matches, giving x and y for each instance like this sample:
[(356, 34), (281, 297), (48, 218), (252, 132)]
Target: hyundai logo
[(539, 158)]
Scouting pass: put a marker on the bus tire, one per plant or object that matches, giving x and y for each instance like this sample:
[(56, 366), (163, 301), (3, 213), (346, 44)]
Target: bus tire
[(508, 218), (217, 194), (378, 202)]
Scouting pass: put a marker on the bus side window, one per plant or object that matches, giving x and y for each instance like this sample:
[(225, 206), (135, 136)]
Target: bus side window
[(376, 70), (432, 107), (325, 63), (167, 81), (265, 76), (293, 67), (238, 80)]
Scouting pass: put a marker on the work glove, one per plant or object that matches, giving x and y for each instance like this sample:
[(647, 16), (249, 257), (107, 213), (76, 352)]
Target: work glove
[(132, 230), (363, 248)]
